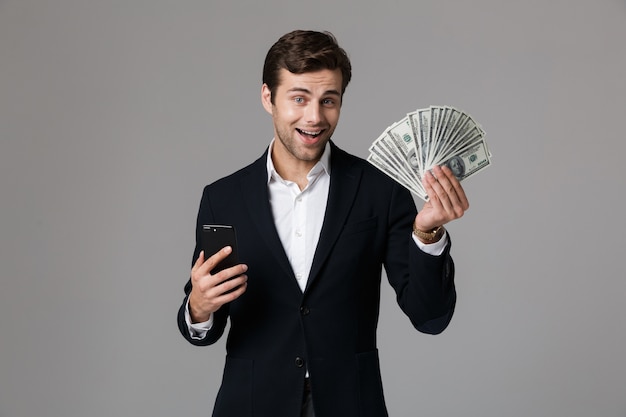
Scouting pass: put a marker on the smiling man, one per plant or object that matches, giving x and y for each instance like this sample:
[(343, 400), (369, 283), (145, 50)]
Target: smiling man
[(315, 226), (305, 110)]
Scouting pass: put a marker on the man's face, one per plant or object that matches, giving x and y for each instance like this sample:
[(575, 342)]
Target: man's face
[(305, 113)]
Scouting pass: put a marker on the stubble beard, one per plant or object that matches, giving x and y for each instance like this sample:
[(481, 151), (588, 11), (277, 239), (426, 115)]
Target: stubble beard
[(298, 150)]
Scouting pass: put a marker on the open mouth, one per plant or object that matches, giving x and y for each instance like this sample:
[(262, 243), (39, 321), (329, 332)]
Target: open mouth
[(310, 134)]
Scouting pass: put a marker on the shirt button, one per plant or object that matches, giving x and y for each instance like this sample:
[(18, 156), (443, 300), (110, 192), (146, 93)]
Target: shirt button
[(304, 311), (298, 233), (299, 362), (298, 277)]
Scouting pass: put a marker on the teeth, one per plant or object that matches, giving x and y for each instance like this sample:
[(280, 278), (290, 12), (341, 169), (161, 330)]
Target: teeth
[(311, 133)]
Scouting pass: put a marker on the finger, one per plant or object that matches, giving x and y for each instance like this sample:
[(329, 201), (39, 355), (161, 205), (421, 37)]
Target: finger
[(234, 294), (228, 290), (197, 264), (230, 285), (455, 190), (446, 181), (212, 289), (429, 184), (214, 259), (227, 274), (213, 298), (438, 182)]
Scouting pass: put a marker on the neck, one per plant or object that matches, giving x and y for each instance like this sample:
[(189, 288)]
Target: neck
[(290, 168), (293, 172)]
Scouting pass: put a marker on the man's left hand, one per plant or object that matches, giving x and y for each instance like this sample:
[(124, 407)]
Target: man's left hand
[(447, 200)]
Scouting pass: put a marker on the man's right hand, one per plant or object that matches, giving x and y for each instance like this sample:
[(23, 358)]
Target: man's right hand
[(209, 292)]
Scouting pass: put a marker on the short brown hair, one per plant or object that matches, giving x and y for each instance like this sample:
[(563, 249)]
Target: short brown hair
[(303, 51)]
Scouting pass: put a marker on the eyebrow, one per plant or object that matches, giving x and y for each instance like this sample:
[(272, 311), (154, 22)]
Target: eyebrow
[(304, 90)]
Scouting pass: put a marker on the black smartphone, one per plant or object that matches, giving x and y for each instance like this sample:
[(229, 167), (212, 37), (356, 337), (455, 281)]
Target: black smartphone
[(214, 238)]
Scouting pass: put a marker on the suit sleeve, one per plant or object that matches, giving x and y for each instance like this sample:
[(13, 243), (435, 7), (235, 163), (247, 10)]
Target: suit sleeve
[(424, 284), (219, 317)]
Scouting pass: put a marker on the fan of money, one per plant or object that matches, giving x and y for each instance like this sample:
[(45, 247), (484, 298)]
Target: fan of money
[(437, 135)]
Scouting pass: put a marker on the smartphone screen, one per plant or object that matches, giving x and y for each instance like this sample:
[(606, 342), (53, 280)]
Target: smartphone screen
[(214, 238)]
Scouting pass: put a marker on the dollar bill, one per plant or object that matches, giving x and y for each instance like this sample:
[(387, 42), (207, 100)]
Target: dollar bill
[(402, 135), (436, 135), (468, 162), (378, 163)]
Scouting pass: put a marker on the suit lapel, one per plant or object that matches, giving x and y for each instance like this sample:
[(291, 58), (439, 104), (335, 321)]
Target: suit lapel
[(344, 181), (256, 197)]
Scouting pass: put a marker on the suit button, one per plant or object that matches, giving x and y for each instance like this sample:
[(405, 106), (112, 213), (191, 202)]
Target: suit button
[(299, 362), (304, 311)]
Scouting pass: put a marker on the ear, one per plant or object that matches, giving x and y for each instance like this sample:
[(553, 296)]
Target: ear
[(266, 98)]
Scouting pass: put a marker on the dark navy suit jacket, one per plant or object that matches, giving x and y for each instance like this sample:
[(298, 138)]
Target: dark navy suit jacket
[(277, 332)]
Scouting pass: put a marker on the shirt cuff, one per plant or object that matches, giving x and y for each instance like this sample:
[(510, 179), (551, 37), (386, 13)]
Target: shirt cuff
[(197, 330), (435, 248)]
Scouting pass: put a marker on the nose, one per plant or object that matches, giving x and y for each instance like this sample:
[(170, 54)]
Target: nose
[(314, 113)]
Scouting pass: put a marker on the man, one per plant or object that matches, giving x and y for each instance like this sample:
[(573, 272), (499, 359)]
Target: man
[(314, 226)]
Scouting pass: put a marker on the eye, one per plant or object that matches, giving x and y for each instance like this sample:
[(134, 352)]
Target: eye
[(328, 102), (299, 100)]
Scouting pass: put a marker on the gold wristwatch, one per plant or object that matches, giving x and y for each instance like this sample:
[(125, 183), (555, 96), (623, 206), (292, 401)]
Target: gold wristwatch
[(431, 236)]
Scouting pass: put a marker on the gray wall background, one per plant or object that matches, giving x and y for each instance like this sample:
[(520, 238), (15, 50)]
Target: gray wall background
[(114, 114)]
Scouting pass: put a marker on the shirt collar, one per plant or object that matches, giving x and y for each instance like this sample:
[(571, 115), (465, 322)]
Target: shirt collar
[(323, 165)]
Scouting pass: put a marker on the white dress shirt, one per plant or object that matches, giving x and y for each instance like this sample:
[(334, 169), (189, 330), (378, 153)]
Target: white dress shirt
[(298, 216)]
